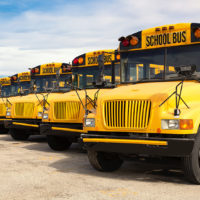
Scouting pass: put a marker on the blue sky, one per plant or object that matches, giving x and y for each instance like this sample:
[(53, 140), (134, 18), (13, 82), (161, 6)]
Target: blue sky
[(34, 32)]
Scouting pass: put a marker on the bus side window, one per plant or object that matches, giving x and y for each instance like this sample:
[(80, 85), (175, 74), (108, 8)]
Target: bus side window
[(108, 78), (53, 84), (89, 80), (77, 80), (61, 84)]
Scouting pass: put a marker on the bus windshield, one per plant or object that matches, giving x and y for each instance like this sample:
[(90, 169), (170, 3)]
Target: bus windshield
[(149, 65), (25, 87), (44, 83), (85, 77), (14, 89), (6, 91)]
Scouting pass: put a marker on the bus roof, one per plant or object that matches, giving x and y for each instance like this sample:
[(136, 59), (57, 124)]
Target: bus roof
[(90, 59), (161, 36), (51, 69)]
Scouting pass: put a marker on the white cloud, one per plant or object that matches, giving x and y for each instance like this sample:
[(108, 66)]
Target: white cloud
[(36, 37)]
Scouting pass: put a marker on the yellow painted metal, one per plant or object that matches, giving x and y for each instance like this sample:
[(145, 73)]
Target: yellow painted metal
[(4, 119), (2, 109), (24, 124), (126, 141), (68, 130), (68, 110), (24, 110), (127, 113)]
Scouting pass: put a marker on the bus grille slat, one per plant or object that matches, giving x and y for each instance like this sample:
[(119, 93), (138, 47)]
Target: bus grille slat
[(66, 110), (24, 110), (127, 113)]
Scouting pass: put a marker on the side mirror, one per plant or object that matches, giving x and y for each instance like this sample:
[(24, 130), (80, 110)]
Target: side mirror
[(100, 61), (33, 86), (58, 74), (185, 70)]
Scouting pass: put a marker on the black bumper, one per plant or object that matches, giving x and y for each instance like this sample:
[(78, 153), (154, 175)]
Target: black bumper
[(2, 121), (157, 146), (64, 130), (32, 125)]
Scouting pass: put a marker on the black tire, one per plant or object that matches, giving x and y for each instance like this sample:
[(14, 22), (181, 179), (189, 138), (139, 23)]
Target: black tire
[(18, 134), (106, 162), (58, 143), (191, 163), (3, 130)]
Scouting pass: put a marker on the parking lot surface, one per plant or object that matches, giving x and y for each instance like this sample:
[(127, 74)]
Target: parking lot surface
[(31, 170)]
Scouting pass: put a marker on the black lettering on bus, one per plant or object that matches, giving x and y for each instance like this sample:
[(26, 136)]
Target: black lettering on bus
[(155, 40), (148, 41), (164, 38), (174, 37), (184, 36), (179, 35), (167, 39), (152, 40), (160, 39)]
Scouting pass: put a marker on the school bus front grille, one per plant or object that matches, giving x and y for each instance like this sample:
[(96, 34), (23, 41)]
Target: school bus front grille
[(127, 113), (24, 110), (67, 110), (2, 109)]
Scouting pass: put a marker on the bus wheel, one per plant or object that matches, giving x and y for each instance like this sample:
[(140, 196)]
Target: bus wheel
[(3, 130), (18, 134), (58, 143), (191, 163), (106, 162)]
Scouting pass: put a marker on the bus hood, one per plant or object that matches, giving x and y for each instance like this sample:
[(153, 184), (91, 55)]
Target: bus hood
[(154, 91)]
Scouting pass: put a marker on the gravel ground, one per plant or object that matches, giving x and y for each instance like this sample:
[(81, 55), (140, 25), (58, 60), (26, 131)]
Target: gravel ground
[(31, 170)]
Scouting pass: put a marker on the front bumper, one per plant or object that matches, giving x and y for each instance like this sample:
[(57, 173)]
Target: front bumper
[(2, 121), (32, 125), (65, 130), (158, 146)]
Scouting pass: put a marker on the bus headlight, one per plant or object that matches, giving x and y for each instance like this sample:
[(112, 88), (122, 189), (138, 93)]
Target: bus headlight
[(45, 116), (89, 122), (39, 114), (170, 124), (174, 124), (8, 113)]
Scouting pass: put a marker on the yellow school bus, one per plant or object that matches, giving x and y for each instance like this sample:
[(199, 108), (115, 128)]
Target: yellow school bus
[(5, 89), (11, 87), (26, 111), (63, 121), (20, 86), (155, 112)]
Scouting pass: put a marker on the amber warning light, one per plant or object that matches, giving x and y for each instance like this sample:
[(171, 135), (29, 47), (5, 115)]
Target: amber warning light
[(197, 33)]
